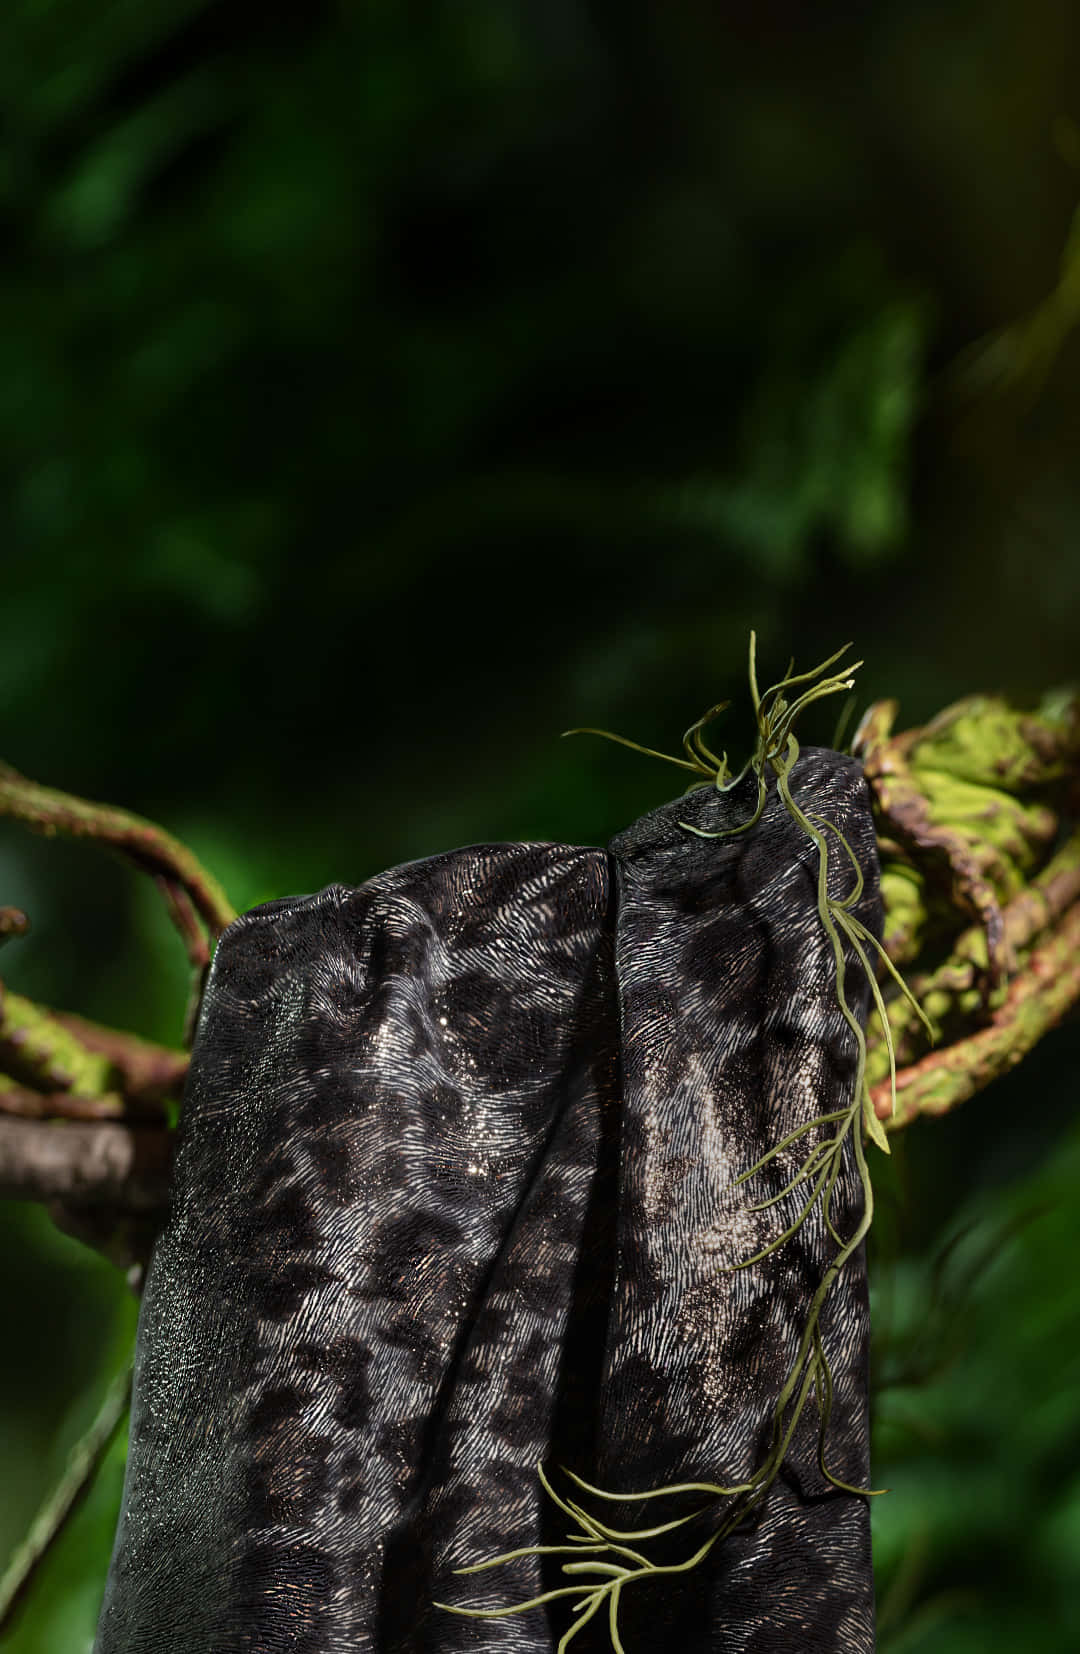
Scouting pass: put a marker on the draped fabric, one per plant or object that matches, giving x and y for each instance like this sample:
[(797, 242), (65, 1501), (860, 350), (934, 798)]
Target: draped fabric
[(454, 1195)]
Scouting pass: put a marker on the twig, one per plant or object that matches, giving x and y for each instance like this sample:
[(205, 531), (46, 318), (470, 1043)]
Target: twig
[(181, 911), (60, 1504), (147, 846)]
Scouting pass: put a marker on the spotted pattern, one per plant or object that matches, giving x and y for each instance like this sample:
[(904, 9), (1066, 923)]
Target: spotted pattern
[(731, 1037), (452, 1196)]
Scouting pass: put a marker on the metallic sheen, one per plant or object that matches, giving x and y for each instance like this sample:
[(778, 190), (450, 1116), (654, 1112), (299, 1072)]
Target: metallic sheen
[(453, 1195)]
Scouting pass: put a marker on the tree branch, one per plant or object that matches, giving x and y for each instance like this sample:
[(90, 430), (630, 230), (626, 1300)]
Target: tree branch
[(145, 845), (968, 810), (82, 1464), (40, 1050), (1035, 1002), (144, 1072), (126, 1168)]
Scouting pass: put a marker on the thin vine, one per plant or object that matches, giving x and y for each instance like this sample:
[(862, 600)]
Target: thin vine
[(605, 1560)]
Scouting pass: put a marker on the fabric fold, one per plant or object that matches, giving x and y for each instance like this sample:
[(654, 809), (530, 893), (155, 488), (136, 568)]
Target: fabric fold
[(731, 1037), (453, 1196)]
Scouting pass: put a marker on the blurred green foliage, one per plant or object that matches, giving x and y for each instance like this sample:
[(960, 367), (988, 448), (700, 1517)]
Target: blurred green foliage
[(977, 1363), (386, 388)]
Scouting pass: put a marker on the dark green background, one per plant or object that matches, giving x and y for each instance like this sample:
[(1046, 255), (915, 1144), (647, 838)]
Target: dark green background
[(385, 387)]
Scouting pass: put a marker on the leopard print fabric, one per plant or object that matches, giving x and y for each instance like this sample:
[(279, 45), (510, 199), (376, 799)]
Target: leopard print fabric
[(453, 1196)]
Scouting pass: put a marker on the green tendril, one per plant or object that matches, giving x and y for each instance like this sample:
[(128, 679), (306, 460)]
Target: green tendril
[(606, 1559)]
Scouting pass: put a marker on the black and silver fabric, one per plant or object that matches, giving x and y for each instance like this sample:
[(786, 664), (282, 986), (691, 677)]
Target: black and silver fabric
[(454, 1195)]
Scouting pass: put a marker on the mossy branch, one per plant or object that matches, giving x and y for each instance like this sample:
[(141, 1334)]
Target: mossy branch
[(604, 1576), (191, 893), (1035, 1001), (976, 819), (85, 1110), (954, 803)]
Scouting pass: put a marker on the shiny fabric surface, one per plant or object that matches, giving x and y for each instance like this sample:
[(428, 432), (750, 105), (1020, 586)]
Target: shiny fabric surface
[(453, 1195)]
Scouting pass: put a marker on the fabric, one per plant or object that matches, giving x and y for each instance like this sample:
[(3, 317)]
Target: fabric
[(454, 1195)]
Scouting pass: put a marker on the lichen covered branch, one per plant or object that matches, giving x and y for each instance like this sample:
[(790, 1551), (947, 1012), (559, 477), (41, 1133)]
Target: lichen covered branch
[(977, 820)]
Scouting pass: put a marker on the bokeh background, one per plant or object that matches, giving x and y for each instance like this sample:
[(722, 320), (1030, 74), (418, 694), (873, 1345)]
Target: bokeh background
[(387, 386)]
